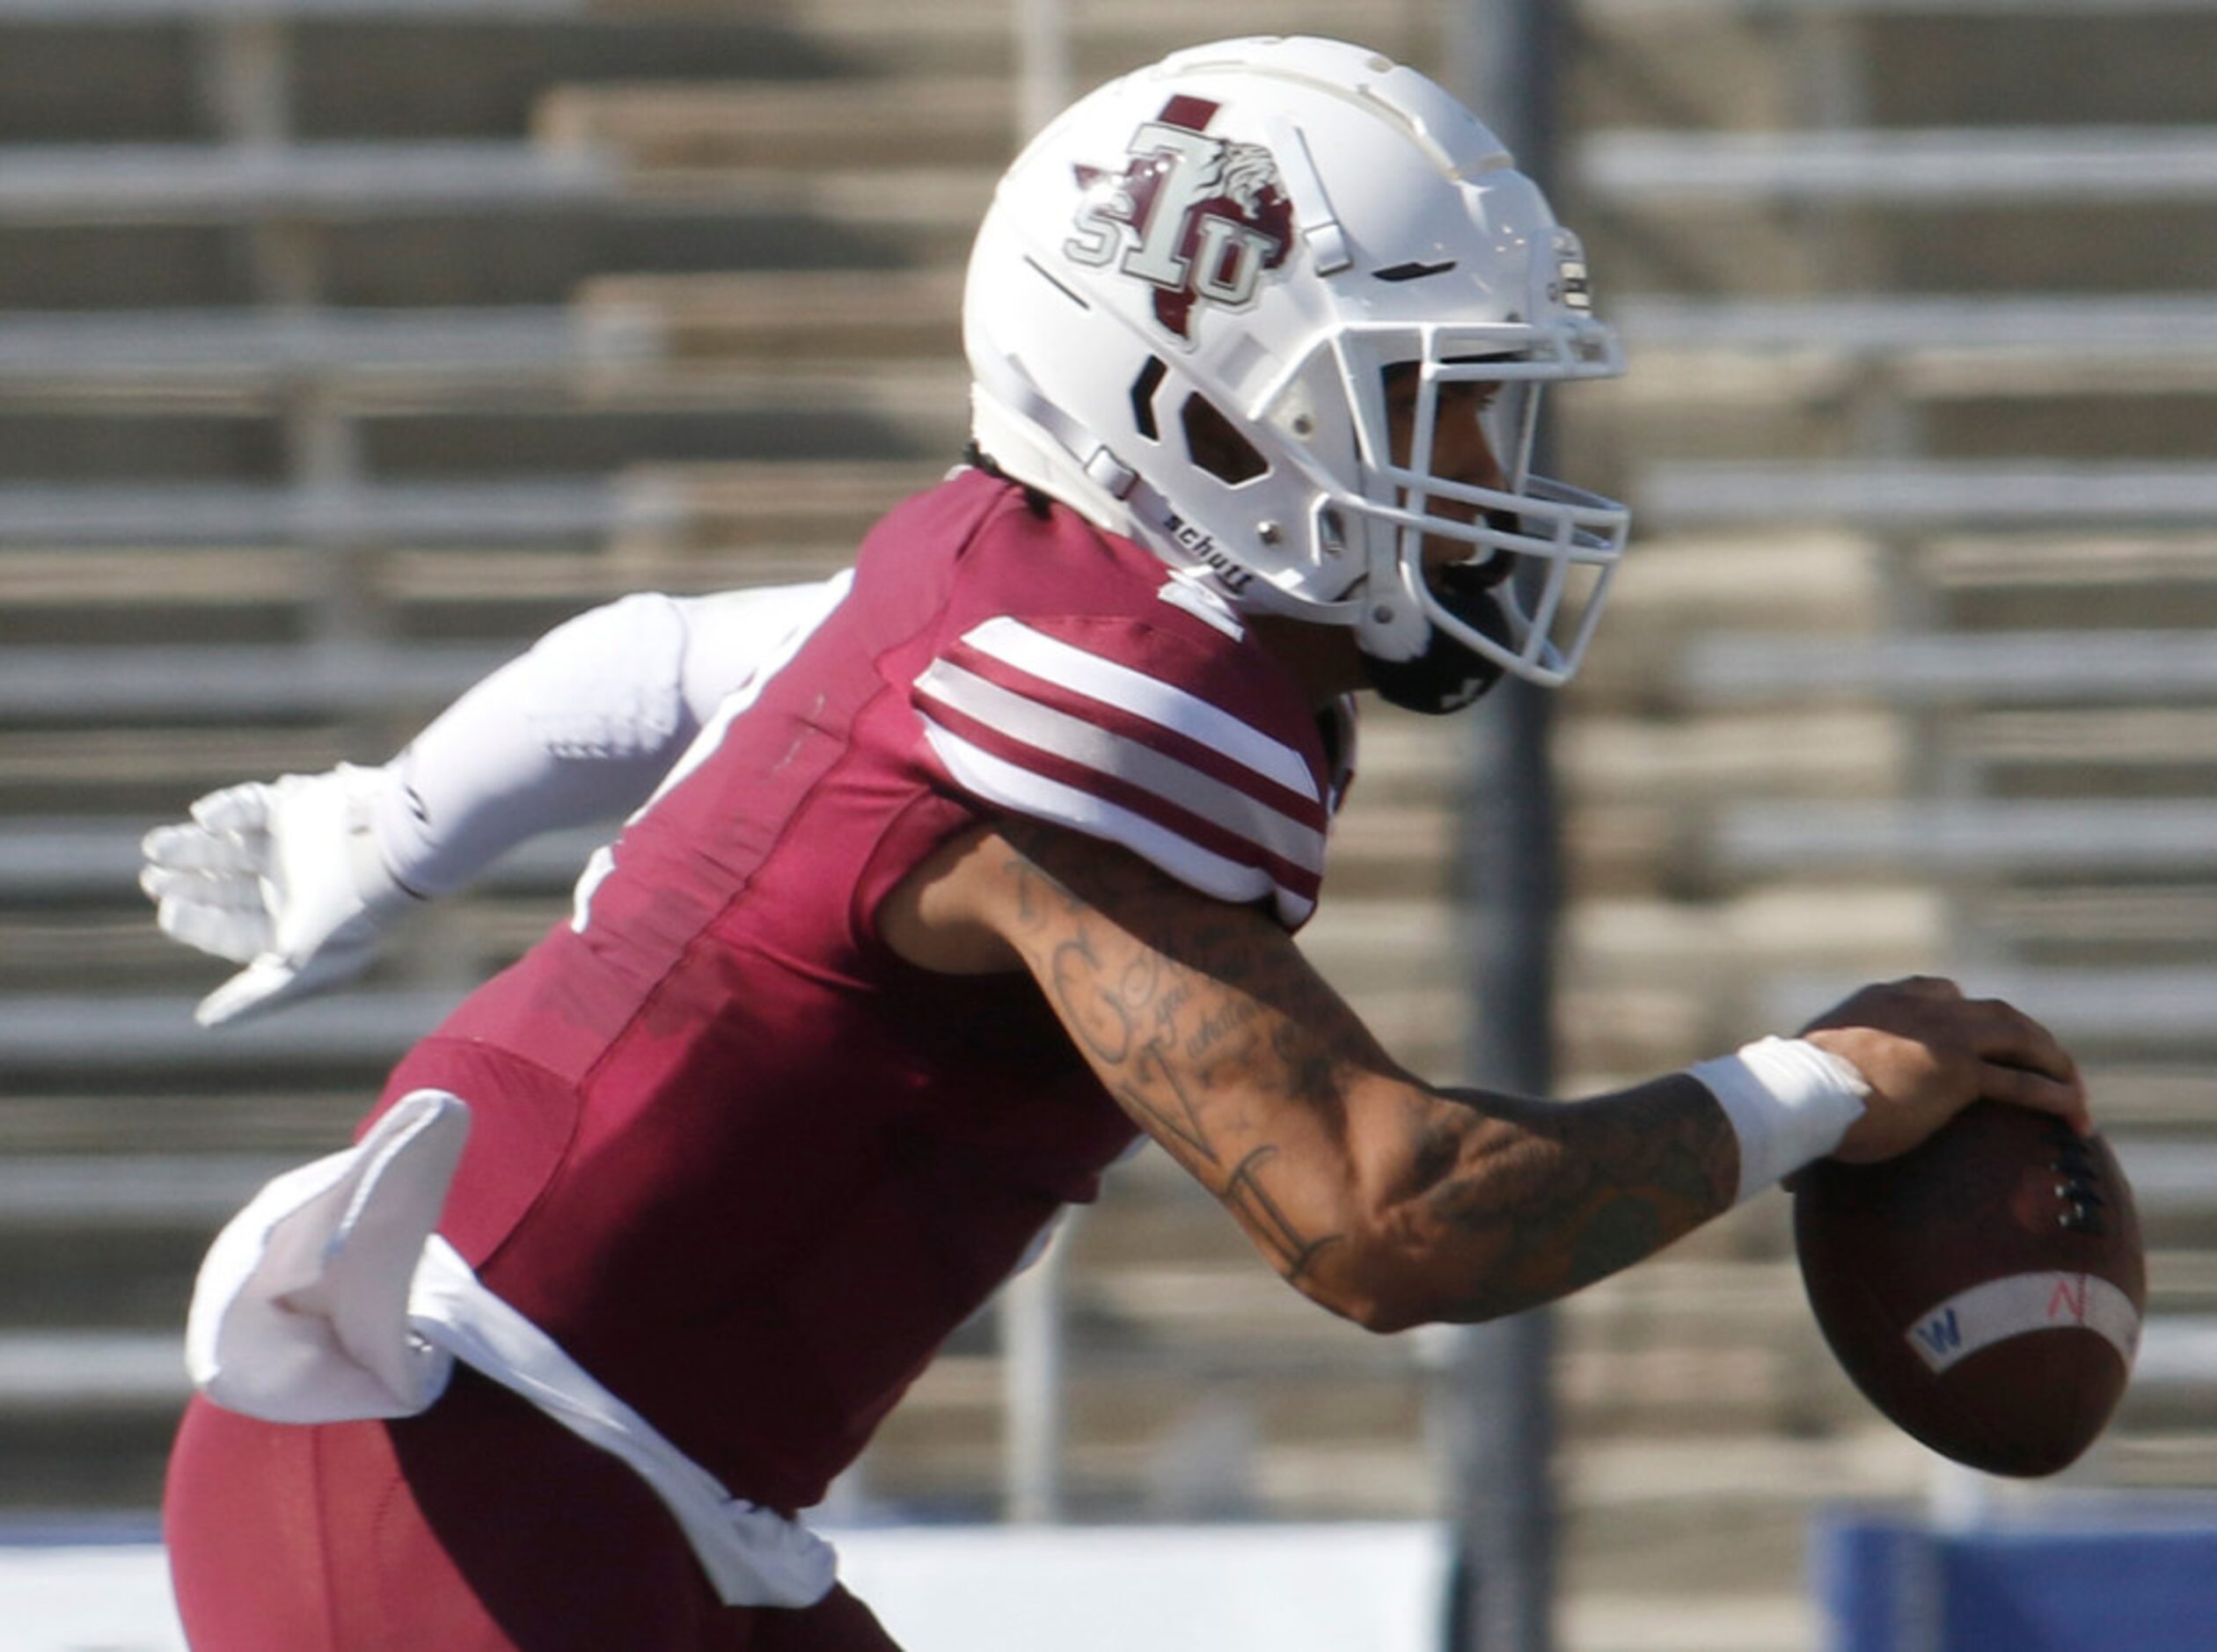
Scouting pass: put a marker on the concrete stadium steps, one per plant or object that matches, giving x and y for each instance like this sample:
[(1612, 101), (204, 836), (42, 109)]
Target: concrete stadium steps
[(502, 427), (742, 505), (1908, 60), (1715, 1356), (772, 316), (381, 68), (519, 593), (248, 357), (1712, 1392), (628, 177), (647, 370), (976, 35), (1904, 496), (1929, 577), (919, 414), (49, 862), (309, 1114), (1923, 343), (2130, 840), (1810, 412), (1644, 981), (352, 695), (2138, 1012), (1170, 1313), (434, 16), (2092, 927), (1910, 169), (533, 257), (704, 127), (648, 510), (1913, 103), (1671, 768), (1693, 1398), (112, 565), (1787, 250), (2155, 751), (103, 948), (1677, 583), (2108, 1014), (1956, 376), (770, 217), (824, 36), (2041, 581), (101, 945), (914, 410), (64, 185), (2150, 665), (271, 594), (1839, 581), (146, 1043), (530, 253), (1738, 63)]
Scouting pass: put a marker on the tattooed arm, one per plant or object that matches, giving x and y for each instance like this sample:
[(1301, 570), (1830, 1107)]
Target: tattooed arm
[(1385, 1199)]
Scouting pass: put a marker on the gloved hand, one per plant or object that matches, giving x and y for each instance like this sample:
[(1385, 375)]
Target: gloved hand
[(283, 877)]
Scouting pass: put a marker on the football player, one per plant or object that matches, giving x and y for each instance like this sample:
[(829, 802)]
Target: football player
[(993, 864)]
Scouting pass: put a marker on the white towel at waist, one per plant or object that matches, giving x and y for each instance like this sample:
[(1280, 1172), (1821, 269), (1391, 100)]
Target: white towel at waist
[(330, 1298)]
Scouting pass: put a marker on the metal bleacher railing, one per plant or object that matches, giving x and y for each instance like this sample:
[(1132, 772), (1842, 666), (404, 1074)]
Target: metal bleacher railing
[(1905, 170), (219, 12), (252, 180), (454, 551), (341, 512), (333, 593), (298, 357), (1885, 327)]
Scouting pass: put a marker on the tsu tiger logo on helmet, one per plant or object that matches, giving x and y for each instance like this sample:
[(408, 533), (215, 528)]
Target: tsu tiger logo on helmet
[(1232, 307), (1198, 218)]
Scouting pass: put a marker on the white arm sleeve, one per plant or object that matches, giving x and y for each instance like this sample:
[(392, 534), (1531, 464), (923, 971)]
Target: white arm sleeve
[(581, 727)]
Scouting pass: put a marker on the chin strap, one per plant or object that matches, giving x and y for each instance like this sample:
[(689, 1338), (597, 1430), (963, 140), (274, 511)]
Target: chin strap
[(1447, 674)]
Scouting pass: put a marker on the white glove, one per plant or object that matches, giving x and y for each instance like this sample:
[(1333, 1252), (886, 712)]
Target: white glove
[(284, 877)]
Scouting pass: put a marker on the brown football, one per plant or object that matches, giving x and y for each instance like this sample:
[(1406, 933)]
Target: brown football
[(1985, 1290)]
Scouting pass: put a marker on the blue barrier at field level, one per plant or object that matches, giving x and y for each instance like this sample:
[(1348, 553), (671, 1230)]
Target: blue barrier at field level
[(2124, 1584)]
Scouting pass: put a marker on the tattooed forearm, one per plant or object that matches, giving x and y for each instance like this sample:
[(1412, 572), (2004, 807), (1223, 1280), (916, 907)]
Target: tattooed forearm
[(1157, 1096), (1379, 1195), (1559, 1196), (1264, 1217), (1096, 1014)]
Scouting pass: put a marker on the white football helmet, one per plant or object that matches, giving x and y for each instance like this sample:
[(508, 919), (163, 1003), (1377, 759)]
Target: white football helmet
[(1179, 314)]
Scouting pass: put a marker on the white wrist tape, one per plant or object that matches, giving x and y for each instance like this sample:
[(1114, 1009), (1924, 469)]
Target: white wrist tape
[(1789, 1102)]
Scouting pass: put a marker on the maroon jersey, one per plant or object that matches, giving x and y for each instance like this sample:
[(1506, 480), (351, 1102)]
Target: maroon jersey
[(743, 1162)]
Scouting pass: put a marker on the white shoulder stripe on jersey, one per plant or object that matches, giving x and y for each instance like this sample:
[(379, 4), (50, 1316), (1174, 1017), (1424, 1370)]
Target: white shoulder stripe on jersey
[(989, 778), (1098, 677), (1075, 740)]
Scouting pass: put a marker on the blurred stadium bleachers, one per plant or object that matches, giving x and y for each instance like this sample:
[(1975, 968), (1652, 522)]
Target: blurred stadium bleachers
[(1911, 675), (346, 344)]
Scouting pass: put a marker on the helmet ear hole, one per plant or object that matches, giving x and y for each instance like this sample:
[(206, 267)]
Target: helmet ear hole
[(1216, 445), (1143, 394)]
